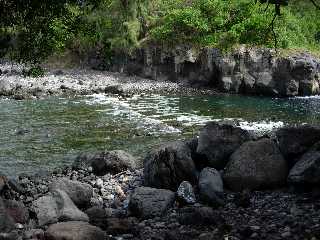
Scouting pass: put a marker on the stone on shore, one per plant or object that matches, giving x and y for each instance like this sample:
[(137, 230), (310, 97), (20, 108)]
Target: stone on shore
[(211, 187), (148, 202), (74, 230), (112, 162), (218, 141), (7, 224), (256, 165), (294, 141), (57, 207), (185, 193), (80, 193), (17, 211), (204, 216), (307, 170), (168, 166)]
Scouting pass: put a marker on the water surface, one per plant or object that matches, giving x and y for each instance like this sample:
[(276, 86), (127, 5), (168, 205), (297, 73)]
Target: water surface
[(43, 134)]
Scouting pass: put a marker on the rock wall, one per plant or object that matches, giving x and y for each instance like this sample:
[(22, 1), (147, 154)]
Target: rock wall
[(256, 71)]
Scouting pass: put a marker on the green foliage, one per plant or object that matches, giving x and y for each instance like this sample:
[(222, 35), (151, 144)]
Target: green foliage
[(42, 28)]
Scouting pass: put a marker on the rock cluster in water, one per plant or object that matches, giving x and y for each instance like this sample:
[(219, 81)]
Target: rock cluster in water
[(226, 184)]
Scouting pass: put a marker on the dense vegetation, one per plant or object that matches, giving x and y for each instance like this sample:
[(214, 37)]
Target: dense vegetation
[(31, 30)]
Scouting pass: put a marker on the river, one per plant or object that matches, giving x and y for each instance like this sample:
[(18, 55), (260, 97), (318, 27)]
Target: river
[(43, 134)]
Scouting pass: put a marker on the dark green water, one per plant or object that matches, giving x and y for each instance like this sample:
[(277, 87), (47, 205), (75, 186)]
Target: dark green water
[(43, 134)]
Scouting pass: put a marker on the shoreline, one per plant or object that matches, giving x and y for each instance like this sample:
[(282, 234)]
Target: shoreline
[(109, 198)]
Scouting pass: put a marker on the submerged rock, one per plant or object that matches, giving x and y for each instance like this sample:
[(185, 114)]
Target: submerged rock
[(112, 162), (74, 231), (256, 165), (148, 202), (169, 165), (211, 187), (218, 141)]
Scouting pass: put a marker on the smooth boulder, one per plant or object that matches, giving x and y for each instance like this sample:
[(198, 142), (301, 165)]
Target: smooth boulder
[(168, 166), (148, 202), (307, 170), (256, 165), (218, 141), (112, 162), (211, 187), (80, 193), (57, 207), (294, 141), (74, 230)]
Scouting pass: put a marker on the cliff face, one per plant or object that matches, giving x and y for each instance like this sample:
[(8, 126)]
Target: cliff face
[(246, 70)]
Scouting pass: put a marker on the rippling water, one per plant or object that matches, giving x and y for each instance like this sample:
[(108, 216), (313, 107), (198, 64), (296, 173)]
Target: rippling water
[(43, 134)]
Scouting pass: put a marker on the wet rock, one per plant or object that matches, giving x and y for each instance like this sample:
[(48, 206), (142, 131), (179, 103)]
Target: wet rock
[(307, 170), (17, 210), (185, 193), (112, 162), (211, 187), (294, 141), (74, 231), (57, 207), (204, 216), (256, 165), (218, 141), (7, 224), (168, 166), (148, 202), (80, 193)]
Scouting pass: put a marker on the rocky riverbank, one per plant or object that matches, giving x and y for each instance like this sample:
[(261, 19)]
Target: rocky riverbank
[(225, 184), (15, 85)]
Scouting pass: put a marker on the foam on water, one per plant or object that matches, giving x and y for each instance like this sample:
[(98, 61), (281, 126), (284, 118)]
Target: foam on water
[(156, 113)]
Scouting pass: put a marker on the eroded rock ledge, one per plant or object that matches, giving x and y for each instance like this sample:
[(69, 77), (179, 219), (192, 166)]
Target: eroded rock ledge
[(261, 188), (257, 71)]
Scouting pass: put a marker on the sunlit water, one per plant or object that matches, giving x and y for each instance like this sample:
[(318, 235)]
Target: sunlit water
[(44, 134)]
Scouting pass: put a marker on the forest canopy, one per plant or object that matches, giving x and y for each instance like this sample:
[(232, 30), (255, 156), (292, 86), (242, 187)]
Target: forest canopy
[(32, 30)]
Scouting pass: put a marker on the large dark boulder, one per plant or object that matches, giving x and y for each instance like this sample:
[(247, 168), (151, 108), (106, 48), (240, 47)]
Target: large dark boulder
[(169, 165), (74, 231), (218, 141), (80, 193), (6, 221), (306, 172), (294, 141), (256, 165), (112, 162), (148, 202), (211, 187)]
